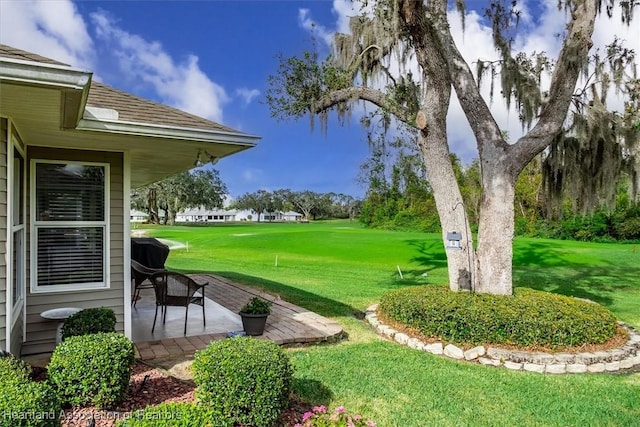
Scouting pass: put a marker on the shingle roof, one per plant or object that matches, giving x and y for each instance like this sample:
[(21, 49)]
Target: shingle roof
[(130, 108), (12, 52)]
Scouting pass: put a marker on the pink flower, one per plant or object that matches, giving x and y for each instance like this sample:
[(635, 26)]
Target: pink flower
[(357, 417), (306, 416), (371, 424), (297, 425), (340, 410), (320, 409)]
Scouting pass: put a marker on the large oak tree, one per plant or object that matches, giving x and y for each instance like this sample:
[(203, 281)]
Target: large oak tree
[(370, 64)]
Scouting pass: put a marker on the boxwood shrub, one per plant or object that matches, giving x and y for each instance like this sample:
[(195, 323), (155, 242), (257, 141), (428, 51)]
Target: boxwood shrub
[(24, 402), (528, 318), (13, 369), (89, 321), (245, 379), (175, 414), (92, 369)]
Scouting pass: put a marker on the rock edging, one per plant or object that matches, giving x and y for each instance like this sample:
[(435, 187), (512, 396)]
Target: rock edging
[(612, 360)]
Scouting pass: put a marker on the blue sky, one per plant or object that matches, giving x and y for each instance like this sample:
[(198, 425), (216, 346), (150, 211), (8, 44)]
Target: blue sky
[(212, 58)]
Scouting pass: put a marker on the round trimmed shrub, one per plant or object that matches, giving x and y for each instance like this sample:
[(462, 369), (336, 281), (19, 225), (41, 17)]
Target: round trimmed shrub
[(528, 318), (245, 379), (92, 369), (24, 402), (175, 414), (89, 321), (13, 369)]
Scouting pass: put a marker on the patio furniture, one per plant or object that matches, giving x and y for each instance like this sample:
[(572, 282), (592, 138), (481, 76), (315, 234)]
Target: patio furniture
[(177, 290), (139, 274)]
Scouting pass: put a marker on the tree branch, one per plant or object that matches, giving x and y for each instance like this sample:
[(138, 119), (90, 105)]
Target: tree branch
[(574, 54), (481, 120), (373, 96)]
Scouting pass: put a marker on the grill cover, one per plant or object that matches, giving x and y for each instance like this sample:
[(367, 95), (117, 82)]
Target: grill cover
[(149, 252)]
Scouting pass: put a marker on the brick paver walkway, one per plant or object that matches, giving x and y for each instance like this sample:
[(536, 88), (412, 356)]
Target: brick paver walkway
[(287, 323)]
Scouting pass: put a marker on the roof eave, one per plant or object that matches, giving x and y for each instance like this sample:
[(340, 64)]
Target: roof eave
[(170, 132), (72, 82)]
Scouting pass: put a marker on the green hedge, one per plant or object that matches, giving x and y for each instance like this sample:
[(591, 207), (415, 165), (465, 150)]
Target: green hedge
[(24, 402), (13, 369), (92, 369), (176, 414), (89, 321), (528, 318), (245, 379)]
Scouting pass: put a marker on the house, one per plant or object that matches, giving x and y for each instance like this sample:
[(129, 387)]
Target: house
[(291, 216), (70, 150), (205, 215), (248, 215), (138, 216)]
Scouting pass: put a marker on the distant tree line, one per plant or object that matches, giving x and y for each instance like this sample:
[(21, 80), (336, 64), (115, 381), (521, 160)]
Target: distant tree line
[(399, 197), (191, 189), (204, 188), (310, 204)]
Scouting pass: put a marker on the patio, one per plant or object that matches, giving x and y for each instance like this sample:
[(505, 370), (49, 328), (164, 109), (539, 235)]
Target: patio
[(287, 324)]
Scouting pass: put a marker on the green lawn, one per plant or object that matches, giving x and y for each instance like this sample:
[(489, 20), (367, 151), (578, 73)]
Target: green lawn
[(338, 268)]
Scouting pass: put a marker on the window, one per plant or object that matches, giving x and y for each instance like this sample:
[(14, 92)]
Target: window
[(70, 230)]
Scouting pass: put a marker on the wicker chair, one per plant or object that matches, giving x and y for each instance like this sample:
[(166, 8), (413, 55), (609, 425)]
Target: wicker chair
[(177, 290), (139, 274)]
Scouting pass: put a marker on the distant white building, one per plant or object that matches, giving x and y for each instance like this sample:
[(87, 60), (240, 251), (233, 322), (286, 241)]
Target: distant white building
[(291, 216), (138, 216), (205, 215), (248, 215)]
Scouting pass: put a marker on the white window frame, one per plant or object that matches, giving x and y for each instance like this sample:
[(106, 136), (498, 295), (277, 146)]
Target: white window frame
[(14, 144), (35, 224)]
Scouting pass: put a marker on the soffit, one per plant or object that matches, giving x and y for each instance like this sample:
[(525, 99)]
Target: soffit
[(36, 114)]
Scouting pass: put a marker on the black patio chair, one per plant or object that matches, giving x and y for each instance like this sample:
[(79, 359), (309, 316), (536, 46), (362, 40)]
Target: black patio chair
[(177, 290), (140, 275)]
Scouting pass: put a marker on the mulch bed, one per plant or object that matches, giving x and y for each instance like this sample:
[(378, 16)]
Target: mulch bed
[(147, 387)]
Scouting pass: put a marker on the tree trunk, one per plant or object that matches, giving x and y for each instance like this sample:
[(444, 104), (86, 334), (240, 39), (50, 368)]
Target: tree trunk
[(432, 122), (453, 216), (496, 229)]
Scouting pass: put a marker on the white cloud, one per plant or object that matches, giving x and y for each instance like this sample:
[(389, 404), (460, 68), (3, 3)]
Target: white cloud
[(247, 95), (54, 29), (320, 31), (344, 10), (181, 84)]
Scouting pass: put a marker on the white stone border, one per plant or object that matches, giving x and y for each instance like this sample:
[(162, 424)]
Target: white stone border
[(613, 360)]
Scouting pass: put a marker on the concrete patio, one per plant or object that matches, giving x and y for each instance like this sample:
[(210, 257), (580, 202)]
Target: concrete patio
[(287, 323)]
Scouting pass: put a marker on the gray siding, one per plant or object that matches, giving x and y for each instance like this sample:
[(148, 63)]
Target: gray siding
[(3, 232), (16, 334), (41, 333)]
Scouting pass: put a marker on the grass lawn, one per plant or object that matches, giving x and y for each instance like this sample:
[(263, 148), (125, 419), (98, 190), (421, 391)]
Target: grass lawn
[(338, 268)]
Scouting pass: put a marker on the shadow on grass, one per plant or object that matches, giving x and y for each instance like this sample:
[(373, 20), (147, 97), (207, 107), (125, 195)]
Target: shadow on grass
[(313, 302), (538, 254), (312, 391), (430, 255), (542, 267), (597, 284), (429, 259)]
